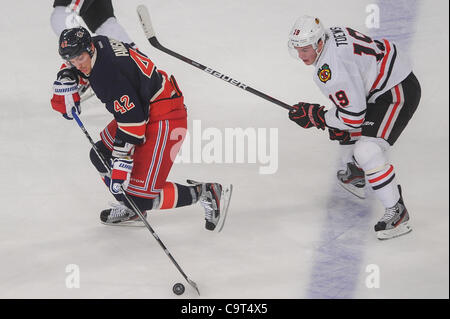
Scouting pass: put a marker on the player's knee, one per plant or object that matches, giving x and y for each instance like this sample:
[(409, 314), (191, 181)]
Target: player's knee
[(107, 25), (369, 155), (95, 159), (111, 28), (58, 19)]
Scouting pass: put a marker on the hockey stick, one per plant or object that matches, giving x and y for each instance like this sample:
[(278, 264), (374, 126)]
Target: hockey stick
[(146, 23), (133, 205)]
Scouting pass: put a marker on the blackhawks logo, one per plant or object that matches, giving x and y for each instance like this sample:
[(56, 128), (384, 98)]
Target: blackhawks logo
[(324, 73)]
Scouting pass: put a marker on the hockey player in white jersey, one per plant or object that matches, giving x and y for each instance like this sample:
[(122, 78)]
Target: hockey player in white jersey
[(373, 94)]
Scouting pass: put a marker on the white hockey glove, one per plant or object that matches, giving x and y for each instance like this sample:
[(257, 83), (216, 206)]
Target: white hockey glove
[(120, 174), (66, 97), (122, 166)]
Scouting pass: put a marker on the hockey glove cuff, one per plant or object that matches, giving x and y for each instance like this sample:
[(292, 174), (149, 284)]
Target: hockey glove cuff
[(122, 149), (337, 135)]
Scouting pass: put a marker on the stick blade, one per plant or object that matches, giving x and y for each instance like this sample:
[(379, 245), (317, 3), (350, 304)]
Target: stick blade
[(146, 22), (193, 284)]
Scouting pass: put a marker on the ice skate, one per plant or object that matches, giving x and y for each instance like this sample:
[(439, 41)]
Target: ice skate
[(215, 199), (394, 223), (119, 214), (353, 180)]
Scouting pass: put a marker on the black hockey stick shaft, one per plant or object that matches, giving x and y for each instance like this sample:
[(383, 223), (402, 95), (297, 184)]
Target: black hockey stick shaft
[(146, 23), (132, 204)]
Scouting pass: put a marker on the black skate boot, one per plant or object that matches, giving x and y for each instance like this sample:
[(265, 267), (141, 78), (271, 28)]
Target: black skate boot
[(394, 222), (353, 180), (215, 199)]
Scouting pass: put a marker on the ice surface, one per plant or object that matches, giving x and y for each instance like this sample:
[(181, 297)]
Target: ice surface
[(292, 234)]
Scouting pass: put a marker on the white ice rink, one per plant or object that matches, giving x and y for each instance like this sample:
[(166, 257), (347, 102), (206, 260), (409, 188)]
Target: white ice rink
[(290, 234)]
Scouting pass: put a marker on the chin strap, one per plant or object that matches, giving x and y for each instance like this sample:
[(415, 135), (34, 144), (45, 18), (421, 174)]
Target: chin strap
[(318, 54), (316, 47)]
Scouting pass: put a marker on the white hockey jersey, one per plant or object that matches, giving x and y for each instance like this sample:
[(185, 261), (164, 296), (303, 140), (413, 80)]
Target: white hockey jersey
[(353, 70)]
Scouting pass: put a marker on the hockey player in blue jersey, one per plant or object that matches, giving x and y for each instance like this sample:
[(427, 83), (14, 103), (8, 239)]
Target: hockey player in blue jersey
[(147, 131)]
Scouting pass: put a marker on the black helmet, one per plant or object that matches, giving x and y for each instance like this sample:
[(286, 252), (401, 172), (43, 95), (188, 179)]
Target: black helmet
[(73, 42)]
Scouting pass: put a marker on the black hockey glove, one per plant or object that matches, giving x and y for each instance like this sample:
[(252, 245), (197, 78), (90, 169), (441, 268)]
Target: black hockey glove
[(67, 73), (308, 115), (78, 77), (337, 135)]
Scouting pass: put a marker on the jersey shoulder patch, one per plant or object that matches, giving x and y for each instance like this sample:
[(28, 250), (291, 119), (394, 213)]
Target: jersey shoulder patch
[(324, 73)]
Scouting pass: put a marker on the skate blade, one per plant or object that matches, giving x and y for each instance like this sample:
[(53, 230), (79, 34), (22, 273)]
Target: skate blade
[(358, 192), (400, 230), (225, 203), (129, 223)]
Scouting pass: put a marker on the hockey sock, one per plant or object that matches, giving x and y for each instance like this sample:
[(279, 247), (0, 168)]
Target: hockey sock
[(384, 185), (177, 195), (370, 155), (172, 195), (346, 154)]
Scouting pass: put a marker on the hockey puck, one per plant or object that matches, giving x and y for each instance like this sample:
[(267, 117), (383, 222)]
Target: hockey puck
[(178, 288)]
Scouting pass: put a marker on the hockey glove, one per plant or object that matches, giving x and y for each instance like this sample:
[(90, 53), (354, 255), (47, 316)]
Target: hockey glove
[(66, 97), (121, 165), (120, 174), (337, 135), (308, 115)]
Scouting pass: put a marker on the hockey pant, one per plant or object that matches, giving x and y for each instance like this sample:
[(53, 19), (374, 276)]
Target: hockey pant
[(384, 122), (153, 160)]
